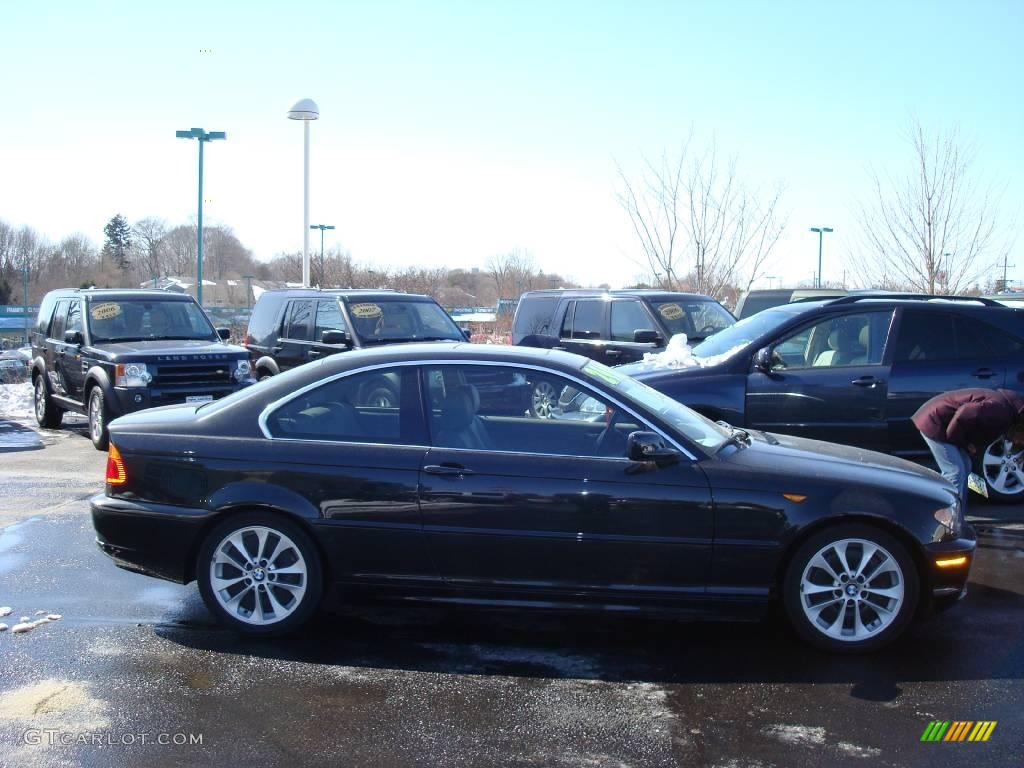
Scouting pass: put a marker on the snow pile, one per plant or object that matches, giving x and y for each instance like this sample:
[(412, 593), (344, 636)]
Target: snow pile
[(16, 401), (678, 354)]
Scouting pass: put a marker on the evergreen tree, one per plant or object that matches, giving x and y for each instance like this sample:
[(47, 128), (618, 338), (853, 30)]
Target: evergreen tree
[(119, 240)]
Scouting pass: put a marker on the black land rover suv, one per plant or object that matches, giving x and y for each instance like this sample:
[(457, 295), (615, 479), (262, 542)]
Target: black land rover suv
[(293, 326), (106, 352)]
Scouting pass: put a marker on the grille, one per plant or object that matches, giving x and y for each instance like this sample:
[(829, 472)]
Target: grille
[(192, 375)]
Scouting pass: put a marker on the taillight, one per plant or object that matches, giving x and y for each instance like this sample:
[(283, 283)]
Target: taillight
[(116, 474)]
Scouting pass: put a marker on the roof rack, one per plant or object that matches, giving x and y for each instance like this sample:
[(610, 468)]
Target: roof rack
[(854, 298)]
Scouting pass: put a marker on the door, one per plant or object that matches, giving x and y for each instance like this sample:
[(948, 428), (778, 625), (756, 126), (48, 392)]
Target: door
[(55, 349), (69, 356), (828, 382), (938, 351), (538, 507), (626, 317), (296, 340), (328, 318), (583, 329)]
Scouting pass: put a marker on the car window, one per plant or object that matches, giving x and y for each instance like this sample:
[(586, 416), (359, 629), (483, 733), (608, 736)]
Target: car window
[(570, 309), (361, 408), (297, 320), (57, 324), (836, 341), (628, 316), (697, 319), (389, 321), (485, 408), (533, 315), (73, 322), (586, 320), (328, 318), (925, 336), (123, 319), (978, 339), (744, 332)]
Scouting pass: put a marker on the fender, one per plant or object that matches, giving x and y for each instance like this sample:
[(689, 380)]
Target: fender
[(96, 376), (268, 363), (255, 495)]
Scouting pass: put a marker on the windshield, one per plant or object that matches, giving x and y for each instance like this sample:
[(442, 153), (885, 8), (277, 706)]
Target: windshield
[(690, 424), (742, 333), (116, 320), (697, 319), (387, 321)]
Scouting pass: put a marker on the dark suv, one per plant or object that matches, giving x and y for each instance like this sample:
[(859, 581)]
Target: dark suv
[(854, 370), (612, 327), (106, 352)]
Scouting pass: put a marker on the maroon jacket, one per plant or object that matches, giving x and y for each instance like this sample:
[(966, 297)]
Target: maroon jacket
[(969, 416)]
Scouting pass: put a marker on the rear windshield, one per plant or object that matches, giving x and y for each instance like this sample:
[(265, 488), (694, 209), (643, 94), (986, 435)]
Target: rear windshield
[(753, 304), (390, 321), (114, 320), (533, 316), (697, 318)]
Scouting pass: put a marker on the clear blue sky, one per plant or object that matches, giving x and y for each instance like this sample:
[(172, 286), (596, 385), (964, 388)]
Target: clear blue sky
[(452, 131)]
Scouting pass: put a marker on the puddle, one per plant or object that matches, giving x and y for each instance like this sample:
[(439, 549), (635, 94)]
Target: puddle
[(12, 535)]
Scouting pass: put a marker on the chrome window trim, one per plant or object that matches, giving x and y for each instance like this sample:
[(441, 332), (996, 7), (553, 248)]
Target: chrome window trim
[(584, 385)]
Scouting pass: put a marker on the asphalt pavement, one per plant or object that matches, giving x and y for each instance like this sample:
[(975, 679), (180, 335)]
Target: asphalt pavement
[(135, 672)]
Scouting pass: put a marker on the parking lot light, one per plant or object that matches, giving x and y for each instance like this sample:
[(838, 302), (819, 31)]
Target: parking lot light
[(305, 110), (821, 231), (203, 136)]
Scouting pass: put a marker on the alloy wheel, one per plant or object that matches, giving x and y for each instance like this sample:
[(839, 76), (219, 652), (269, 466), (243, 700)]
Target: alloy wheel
[(40, 400), (1003, 468), (258, 575), (96, 417), (851, 590), (543, 399)]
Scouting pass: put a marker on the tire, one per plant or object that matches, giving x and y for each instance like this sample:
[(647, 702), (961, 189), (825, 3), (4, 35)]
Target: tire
[(543, 399), (828, 617), (282, 606), (97, 412), (48, 415), (1003, 470), (379, 394)]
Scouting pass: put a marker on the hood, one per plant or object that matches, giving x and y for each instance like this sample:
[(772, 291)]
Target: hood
[(818, 462), (188, 350)]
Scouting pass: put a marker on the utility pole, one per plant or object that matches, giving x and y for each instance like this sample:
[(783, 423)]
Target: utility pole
[(25, 297), (1006, 258), (821, 231)]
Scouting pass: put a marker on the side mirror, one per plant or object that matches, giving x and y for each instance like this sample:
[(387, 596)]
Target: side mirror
[(74, 337), (649, 446), (647, 336), (335, 337), (467, 333), (224, 333), (763, 360)]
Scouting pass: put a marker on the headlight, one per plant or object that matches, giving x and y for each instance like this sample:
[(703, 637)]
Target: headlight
[(132, 375), (950, 518), (242, 370)]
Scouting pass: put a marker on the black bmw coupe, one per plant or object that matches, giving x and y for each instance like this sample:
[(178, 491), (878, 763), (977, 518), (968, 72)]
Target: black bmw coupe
[(304, 485)]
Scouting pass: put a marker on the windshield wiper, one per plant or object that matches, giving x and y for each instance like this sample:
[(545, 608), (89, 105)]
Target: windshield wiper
[(738, 437)]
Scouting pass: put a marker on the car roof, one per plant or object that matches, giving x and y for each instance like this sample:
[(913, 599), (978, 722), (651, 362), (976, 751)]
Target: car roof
[(647, 293), (131, 293), (376, 294)]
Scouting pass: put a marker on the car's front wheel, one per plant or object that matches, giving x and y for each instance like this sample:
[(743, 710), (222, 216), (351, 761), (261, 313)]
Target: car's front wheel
[(543, 399), (851, 588), (1002, 466), (48, 415), (97, 411), (260, 574)]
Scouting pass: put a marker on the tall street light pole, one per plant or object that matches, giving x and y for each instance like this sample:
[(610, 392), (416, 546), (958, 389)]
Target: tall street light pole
[(248, 290), (821, 232), (321, 227), (203, 137), (305, 110)]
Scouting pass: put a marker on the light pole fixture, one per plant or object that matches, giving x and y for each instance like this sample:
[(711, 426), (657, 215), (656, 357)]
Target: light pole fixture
[(203, 136), (305, 110), (321, 227), (248, 290), (821, 232)]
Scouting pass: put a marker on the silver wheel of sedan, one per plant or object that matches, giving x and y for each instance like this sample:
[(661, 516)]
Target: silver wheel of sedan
[(1003, 469), (543, 399), (258, 575), (851, 590)]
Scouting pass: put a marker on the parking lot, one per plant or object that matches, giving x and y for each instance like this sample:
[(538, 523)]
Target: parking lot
[(136, 671)]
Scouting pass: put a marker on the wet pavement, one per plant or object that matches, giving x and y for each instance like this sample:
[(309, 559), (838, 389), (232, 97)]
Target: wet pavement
[(135, 661)]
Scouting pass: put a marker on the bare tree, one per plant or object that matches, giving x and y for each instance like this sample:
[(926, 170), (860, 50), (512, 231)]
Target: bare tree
[(932, 230), (698, 226), (150, 241), (513, 273)]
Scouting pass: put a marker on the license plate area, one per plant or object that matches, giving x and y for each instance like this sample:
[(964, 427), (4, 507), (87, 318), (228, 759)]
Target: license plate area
[(198, 399)]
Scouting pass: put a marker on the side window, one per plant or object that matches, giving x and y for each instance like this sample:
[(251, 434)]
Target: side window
[(486, 408), (361, 408), (835, 342), (328, 318), (73, 322), (296, 325), (56, 330), (587, 320), (977, 339), (925, 336), (570, 310), (629, 316)]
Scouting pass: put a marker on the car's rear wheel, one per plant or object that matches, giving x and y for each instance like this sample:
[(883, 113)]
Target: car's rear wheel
[(260, 574), (97, 412), (48, 415), (543, 399), (1003, 469), (851, 588)]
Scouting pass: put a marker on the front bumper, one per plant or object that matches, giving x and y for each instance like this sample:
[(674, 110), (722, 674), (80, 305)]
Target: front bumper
[(131, 399), (155, 539), (945, 586)]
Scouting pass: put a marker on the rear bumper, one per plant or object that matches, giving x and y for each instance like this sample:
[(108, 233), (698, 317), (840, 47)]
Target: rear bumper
[(155, 539)]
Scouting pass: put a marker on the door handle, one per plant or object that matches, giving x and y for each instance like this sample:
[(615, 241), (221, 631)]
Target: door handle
[(276, 349), (613, 353), (313, 353), (447, 470), (865, 381), (983, 373)]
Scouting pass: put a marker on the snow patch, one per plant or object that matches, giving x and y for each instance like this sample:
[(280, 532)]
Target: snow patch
[(16, 401), (852, 749), (803, 735), (678, 354)]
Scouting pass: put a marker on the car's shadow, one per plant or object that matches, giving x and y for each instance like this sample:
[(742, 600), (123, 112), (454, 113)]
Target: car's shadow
[(982, 638)]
